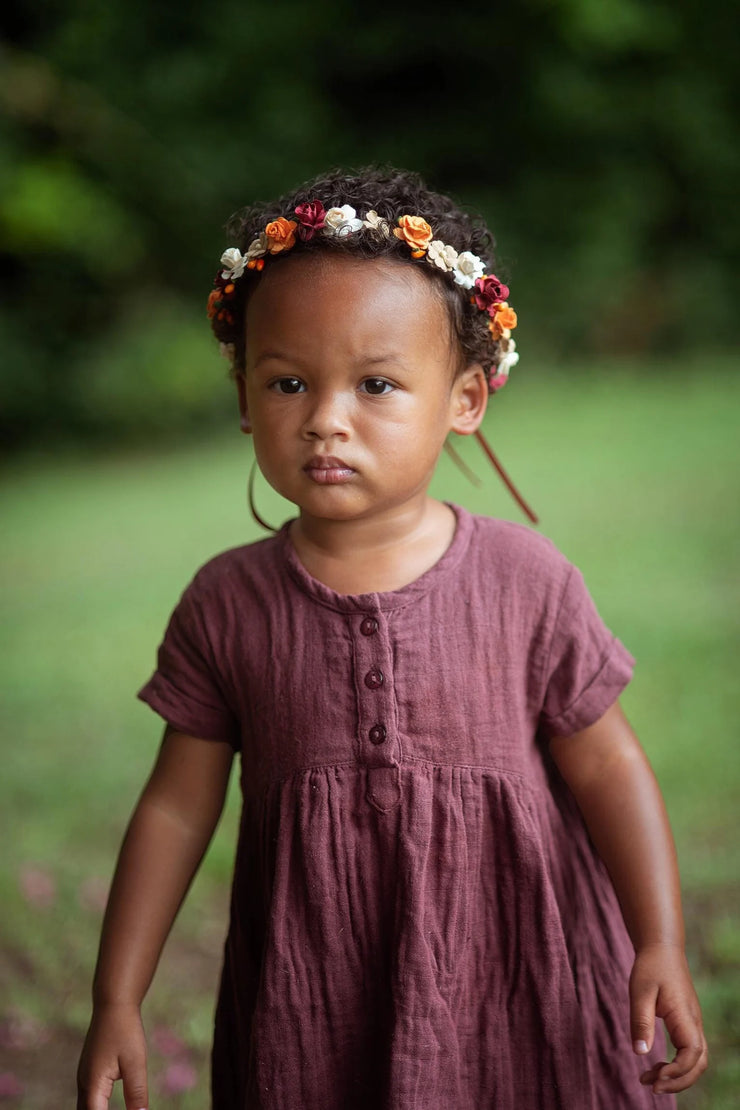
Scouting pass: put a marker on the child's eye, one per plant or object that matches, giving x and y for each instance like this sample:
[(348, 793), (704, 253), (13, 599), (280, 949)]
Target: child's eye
[(287, 385), (377, 387)]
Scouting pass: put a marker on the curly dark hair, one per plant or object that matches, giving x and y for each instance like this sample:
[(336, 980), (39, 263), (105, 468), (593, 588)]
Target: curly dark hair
[(392, 193)]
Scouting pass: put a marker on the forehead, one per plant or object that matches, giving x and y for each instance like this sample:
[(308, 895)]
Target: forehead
[(347, 302)]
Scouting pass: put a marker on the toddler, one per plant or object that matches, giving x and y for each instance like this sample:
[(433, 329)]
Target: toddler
[(455, 883)]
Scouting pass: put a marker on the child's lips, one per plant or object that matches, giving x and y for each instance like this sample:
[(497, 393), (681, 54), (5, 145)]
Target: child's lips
[(327, 470)]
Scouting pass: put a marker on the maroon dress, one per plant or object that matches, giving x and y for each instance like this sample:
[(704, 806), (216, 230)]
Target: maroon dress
[(418, 918)]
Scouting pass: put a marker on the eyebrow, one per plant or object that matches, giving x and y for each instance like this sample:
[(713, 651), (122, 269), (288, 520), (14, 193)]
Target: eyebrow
[(267, 356), (374, 360), (370, 360)]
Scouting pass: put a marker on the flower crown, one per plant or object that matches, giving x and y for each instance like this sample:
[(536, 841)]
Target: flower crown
[(487, 293)]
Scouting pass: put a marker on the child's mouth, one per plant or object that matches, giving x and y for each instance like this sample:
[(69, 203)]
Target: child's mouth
[(326, 470)]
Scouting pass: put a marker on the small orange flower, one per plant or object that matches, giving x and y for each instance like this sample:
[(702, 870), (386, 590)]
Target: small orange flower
[(415, 231), (214, 302), (229, 289), (505, 317), (280, 234)]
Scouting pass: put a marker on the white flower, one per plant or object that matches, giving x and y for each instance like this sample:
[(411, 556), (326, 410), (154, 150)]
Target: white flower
[(467, 268), (376, 223), (227, 350), (234, 261), (510, 359), (341, 221), (442, 255)]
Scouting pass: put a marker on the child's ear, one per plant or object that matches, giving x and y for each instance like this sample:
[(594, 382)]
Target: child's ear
[(241, 389), (469, 400)]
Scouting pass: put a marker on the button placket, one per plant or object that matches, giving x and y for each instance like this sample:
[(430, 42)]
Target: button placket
[(376, 710), (374, 686)]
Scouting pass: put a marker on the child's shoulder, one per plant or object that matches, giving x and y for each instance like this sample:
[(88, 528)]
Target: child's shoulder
[(517, 547), (236, 566), (522, 569)]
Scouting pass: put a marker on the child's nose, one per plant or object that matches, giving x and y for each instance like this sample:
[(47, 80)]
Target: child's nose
[(327, 416)]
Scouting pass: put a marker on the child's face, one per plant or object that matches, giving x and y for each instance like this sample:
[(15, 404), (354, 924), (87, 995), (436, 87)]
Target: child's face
[(350, 388)]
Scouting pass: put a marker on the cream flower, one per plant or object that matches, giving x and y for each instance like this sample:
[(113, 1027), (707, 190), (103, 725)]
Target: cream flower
[(342, 221), (234, 262), (257, 247), (510, 359), (467, 268), (442, 255), (376, 223), (227, 351)]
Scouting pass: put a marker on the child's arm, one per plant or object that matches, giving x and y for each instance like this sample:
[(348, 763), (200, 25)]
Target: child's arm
[(166, 839), (608, 772)]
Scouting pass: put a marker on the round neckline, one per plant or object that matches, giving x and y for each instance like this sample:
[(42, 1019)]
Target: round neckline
[(383, 600)]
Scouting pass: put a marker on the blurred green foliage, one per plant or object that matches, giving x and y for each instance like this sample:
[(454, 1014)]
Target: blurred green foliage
[(599, 138)]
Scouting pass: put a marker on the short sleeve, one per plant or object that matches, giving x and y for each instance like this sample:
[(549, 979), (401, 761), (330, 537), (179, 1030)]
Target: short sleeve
[(587, 666), (186, 688)]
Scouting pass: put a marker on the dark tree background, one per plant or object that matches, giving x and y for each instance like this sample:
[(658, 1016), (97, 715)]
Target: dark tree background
[(599, 137)]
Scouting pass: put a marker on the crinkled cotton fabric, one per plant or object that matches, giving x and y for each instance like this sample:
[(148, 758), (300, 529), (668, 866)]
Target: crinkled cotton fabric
[(418, 918)]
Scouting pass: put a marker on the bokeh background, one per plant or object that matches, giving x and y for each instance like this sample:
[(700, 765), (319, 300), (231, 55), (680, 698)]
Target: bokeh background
[(600, 139)]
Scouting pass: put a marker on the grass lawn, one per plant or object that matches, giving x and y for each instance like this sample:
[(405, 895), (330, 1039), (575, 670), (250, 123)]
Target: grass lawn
[(633, 471)]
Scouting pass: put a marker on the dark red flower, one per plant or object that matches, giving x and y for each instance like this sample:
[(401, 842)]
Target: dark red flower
[(311, 217), (490, 291)]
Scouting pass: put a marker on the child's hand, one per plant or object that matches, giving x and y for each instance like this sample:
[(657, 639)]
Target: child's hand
[(114, 1048), (660, 986)]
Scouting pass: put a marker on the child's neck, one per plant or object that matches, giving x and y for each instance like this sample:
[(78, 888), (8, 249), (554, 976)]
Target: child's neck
[(377, 555)]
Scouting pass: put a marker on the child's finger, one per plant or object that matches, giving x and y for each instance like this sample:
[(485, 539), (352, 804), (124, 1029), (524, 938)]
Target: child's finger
[(667, 1081), (643, 997), (135, 1089), (662, 1083), (651, 1075), (96, 1097), (690, 1061)]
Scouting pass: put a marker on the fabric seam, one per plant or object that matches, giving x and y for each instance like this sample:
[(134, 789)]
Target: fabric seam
[(546, 667), (432, 763), (606, 659)]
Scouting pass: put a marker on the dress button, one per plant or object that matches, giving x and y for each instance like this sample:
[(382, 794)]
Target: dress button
[(377, 734), (369, 626), (374, 679)]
